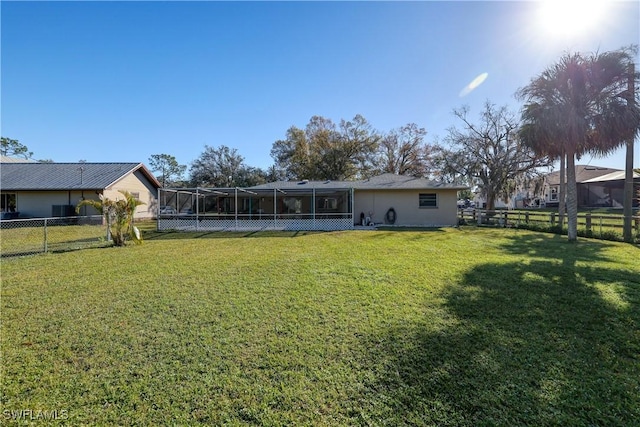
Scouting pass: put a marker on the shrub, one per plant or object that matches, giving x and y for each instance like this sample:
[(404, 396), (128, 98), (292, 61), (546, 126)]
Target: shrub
[(119, 215)]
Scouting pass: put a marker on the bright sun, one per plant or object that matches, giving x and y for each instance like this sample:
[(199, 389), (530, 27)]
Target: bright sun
[(570, 17)]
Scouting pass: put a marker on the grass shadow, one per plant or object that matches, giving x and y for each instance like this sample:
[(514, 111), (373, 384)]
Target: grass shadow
[(410, 229), (547, 341), (221, 234)]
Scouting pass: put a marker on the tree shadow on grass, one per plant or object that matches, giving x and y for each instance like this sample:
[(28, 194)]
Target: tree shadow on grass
[(189, 235), (400, 229), (540, 342)]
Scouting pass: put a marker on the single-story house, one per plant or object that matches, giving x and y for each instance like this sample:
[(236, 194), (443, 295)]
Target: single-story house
[(386, 199), (597, 187), (41, 190)]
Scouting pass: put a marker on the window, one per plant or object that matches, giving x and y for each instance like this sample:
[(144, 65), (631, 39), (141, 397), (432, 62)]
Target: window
[(8, 202), (554, 194), (135, 195), (428, 200), (327, 204)]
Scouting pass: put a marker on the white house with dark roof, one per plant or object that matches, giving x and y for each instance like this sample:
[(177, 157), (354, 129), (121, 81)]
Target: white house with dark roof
[(387, 199), (40, 190)]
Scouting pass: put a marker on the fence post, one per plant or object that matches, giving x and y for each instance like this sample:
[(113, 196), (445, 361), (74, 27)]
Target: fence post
[(45, 235), (588, 223), (553, 218), (526, 218), (601, 227)]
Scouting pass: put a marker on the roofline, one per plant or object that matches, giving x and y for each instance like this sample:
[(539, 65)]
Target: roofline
[(135, 167), (307, 189)]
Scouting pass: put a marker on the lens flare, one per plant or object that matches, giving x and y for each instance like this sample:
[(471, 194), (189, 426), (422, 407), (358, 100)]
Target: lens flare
[(474, 84)]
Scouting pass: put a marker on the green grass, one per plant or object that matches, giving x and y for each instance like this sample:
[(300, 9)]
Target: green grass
[(458, 327)]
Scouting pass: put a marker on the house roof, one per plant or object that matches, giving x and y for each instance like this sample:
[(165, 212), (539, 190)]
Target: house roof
[(67, 176), (390, 181), (613, 176), (387, 181), (583, 173), (303, 184), (8, 159)]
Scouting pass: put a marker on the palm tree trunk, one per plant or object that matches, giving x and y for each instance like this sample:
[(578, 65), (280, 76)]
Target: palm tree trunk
[(562, 197), (628, 176), (572, 197)]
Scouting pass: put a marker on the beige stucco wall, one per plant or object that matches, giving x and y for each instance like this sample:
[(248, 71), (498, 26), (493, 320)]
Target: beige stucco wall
[(406, 205), (136, 183)]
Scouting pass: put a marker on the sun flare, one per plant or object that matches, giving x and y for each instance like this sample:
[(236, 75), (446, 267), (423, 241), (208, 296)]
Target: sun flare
[(570, 17), (474, 84)]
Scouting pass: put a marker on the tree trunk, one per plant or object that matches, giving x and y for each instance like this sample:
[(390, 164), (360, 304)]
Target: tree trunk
[(572, 197), (562, 197), (491, 200), (628, 176)]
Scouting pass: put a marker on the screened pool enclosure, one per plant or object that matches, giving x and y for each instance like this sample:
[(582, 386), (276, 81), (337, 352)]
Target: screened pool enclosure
[(237, 209)]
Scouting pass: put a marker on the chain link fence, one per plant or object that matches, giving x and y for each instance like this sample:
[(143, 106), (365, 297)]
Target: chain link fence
[(40, 235)]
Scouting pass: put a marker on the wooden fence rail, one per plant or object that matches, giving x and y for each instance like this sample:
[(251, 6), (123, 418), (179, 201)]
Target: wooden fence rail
[(593, 224)]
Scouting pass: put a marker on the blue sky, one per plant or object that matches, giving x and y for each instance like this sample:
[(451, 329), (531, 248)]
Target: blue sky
[(120, 81)]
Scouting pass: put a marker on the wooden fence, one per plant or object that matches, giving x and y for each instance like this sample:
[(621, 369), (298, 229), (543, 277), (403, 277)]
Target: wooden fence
[(595, 225)]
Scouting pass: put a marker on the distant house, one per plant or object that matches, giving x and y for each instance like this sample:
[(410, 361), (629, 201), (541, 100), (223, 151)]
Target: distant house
[(40, 190), (387, 199), (597, 187)]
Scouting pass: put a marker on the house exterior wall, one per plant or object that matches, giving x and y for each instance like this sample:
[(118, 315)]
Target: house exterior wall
[(406, 205), (136, 183), (39, 204)]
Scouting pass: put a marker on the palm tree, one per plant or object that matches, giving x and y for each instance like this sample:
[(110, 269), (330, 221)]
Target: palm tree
[(580, 105), (119, 215)]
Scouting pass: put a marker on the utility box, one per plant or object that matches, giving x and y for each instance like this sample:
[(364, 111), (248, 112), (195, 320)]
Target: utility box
[(62, 210)]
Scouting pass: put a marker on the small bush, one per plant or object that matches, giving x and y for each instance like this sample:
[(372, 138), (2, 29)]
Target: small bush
[(582, 232), (611, 235)]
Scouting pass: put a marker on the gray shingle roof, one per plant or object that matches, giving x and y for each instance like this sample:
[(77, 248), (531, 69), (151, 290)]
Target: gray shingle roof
[(387, 181), (65, 176), (583, 173)]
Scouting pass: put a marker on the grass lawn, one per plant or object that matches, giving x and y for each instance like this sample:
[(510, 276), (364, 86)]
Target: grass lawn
[(453, 327)]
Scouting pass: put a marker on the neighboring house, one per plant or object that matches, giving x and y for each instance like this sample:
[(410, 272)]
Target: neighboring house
[(314, 205), (597, 187), (480, 201), (606, 190), (8, 159), (40, 190), (416, 201)]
